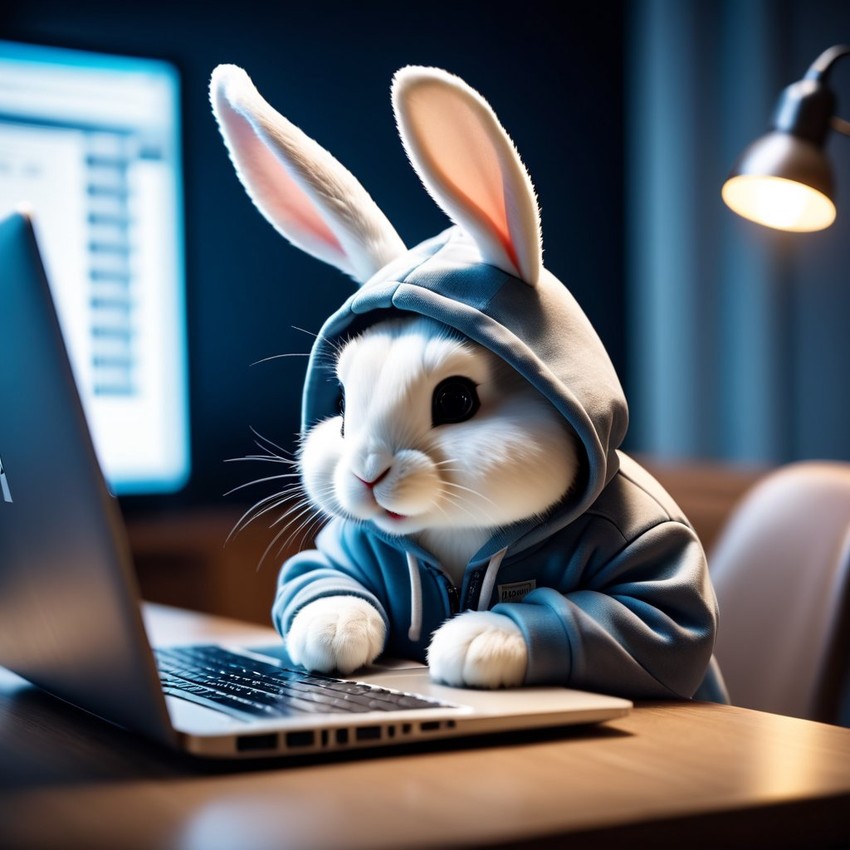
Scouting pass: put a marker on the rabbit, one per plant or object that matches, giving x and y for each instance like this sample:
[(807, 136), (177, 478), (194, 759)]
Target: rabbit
[(461, 430)]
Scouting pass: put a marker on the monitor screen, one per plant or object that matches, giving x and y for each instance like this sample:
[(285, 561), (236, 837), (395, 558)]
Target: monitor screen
[(91, 145)]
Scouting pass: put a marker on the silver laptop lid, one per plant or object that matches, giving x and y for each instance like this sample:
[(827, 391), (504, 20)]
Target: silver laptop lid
[(69, 614)]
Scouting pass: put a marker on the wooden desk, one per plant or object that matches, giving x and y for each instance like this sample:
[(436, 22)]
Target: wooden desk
[(679, 774)]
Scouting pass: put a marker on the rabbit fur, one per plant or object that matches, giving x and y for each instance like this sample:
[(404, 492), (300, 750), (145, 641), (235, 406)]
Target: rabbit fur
[(461, 424)]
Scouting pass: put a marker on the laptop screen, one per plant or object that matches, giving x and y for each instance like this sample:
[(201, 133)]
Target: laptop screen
[(91, 145)]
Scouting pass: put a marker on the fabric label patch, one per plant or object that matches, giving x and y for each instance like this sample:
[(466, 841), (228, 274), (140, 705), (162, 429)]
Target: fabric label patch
[(515, 592)]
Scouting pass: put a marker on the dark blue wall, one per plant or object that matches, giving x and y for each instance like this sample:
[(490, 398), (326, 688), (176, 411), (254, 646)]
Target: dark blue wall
[(553, 76), (738, 338)]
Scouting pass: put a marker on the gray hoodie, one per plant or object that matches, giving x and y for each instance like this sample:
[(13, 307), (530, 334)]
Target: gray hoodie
[(610, 589)]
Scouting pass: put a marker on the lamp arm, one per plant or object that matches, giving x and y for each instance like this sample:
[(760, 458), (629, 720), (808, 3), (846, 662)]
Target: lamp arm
[(820, 68), (819, 72), (840, 125)]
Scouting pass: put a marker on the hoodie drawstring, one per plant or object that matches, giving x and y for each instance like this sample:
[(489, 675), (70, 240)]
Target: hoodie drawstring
[(490, 579), (415, 631)]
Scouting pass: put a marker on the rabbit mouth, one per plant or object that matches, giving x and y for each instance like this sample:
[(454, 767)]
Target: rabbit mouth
[(377, 510)]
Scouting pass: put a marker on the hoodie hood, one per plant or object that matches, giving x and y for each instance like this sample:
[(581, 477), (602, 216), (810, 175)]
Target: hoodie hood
[(538, 330)]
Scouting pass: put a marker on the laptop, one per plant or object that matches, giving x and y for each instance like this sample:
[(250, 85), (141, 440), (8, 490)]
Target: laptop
[(70, 613)]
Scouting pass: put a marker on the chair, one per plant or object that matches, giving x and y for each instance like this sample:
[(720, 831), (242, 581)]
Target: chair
[(781, 570)]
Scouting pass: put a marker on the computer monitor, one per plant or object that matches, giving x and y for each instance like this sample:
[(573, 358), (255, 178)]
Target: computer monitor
[(90, 144)]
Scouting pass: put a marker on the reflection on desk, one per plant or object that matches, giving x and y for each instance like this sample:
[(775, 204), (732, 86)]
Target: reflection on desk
[(672, 774)]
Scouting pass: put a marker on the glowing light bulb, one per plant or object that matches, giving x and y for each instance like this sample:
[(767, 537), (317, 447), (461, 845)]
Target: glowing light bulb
[(778, 202)]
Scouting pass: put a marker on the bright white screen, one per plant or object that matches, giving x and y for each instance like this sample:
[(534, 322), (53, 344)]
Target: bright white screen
[(91, 144)]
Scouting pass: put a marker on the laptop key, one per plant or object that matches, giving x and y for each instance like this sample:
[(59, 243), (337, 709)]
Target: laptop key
[(220, 702), (245, 687)]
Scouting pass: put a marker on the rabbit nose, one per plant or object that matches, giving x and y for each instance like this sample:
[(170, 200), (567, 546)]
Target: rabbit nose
[(371, 464), (375, 481), (372, 467)]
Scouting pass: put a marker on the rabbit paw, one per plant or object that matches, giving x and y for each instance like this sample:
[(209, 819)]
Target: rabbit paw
[(336, 633), (478, 649)]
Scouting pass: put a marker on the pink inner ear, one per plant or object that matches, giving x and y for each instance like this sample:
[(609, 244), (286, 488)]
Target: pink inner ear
[(278, 195), (468, 166)]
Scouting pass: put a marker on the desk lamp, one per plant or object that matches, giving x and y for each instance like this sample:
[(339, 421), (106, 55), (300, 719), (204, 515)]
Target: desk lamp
[(784, 179)]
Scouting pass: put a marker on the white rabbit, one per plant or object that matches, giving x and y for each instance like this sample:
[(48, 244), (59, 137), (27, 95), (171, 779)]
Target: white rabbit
[(461, 425)]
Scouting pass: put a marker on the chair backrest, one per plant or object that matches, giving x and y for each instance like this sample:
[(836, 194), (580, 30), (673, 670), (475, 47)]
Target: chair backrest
[(781, 569)]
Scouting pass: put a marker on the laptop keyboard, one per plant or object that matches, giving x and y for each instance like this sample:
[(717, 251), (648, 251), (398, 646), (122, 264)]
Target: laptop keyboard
[(248, 688)]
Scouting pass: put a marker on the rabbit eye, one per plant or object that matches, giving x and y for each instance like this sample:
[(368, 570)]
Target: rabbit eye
[(455, 400)]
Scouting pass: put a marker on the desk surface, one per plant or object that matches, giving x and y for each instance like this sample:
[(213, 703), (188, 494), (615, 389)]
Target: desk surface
[(703, 774)]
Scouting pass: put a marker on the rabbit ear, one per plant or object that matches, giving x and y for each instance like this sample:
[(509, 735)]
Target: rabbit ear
[(470, 166), (314, 201)]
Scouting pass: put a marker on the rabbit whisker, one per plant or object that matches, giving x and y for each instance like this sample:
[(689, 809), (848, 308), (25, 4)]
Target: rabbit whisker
[(262, 458), (266, 444), (460, 487), (296, 512), (258, 509), (280, 356), (278, 499), (304, 529), (457, 504), (270, 546), (261, 481)]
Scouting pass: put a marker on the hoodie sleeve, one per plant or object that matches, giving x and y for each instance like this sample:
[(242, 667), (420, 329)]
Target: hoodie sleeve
[(334, 568), (639, 623)]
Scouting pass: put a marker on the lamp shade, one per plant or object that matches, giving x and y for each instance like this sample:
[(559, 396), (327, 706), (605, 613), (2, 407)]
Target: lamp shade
[(782, 181)]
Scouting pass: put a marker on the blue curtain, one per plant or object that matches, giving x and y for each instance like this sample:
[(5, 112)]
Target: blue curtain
[(739, 348)]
